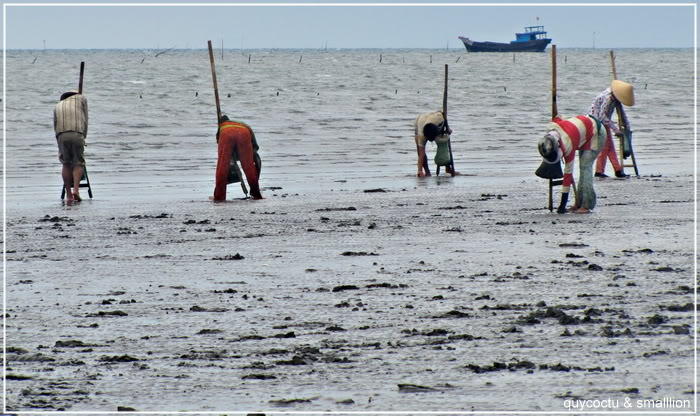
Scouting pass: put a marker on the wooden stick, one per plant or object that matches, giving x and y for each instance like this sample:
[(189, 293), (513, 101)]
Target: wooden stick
[(612, 63), (555, 111), (218, 105), (444, 113), (216, 87), (80, 83), (621, 124), (554, 114), (444, 96)]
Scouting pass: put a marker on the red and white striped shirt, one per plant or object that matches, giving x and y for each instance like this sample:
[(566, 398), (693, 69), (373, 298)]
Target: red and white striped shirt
[(576, 133)]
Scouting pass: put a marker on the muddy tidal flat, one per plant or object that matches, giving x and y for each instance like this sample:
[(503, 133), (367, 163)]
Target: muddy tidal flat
[(415, 298)]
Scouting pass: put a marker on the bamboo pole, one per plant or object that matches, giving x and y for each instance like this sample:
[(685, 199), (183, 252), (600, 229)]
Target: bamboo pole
[(218, 105), (444, 113), (621, 125), (555, 111), (80, 82), (216, 87)]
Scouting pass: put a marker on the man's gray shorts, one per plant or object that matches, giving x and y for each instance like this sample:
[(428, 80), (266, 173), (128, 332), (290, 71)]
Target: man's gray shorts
[(70, 148)]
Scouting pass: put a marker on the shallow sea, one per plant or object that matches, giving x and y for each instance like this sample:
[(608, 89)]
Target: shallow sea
[(337, 119)]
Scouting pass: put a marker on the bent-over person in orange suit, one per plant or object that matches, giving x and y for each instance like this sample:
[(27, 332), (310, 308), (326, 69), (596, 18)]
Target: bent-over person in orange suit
[(236, 140)]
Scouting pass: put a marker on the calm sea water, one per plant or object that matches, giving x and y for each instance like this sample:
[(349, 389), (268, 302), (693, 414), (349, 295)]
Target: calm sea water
[(324, 120)]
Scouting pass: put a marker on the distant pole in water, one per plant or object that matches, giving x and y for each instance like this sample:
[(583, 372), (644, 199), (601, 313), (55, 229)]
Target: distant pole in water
[(431, 59), (248, 58), (458, 58), (645, 86), (593, 40), (380, 58), (143, 60), (397, 91), (403, 60), (565, 58), (504, 89), (222, 49), (44, 45), (301, 56), (612, 63), (513, 57), (196, 93), (34, 59)]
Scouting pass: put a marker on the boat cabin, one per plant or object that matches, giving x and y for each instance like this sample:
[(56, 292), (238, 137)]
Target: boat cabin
[(531, 33)]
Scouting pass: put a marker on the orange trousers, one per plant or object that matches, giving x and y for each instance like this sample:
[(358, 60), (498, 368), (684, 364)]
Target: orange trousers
[(607, 152), (235, 140)]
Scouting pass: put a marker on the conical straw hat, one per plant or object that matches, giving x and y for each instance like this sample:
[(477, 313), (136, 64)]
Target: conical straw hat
[(624, 92)]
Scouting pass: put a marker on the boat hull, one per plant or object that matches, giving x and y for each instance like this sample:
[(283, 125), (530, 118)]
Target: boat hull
[(538, 45)]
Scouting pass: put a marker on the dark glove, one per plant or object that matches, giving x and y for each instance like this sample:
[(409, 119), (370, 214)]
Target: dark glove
[(217, 136), (562, 205)]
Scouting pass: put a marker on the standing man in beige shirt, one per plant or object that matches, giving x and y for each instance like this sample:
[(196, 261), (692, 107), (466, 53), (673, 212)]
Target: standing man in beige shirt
[(70, 122)]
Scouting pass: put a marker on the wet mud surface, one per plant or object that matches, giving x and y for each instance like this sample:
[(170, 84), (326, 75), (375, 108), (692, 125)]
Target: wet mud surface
[(404, 299)]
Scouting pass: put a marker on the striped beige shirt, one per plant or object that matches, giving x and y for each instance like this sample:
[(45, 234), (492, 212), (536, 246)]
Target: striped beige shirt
[(71, 114)]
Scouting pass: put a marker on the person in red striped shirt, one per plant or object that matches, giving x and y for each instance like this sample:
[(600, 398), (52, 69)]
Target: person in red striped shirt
[(564, 137)]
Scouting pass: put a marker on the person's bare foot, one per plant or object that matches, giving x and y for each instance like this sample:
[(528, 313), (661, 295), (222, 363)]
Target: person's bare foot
[(77, 197), (582, 211)]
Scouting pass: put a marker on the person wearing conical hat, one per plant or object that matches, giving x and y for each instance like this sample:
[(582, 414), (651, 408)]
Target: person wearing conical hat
[(602, 108)]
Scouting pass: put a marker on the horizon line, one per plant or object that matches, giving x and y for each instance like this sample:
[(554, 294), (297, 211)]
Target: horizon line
[(334, 48)]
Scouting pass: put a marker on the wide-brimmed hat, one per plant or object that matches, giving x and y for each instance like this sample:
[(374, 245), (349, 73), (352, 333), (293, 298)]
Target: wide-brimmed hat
[(623, 91), (549, 149)]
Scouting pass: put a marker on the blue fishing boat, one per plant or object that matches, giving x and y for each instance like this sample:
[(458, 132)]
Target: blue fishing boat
[(533, 39)]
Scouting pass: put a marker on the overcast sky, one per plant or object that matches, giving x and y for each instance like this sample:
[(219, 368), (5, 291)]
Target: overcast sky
[(397, 26)]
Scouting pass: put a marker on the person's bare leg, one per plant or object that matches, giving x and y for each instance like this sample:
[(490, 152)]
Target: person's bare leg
[(77, 174), (67, 181)]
